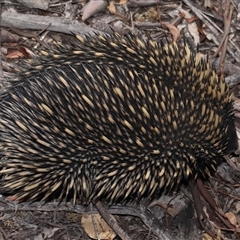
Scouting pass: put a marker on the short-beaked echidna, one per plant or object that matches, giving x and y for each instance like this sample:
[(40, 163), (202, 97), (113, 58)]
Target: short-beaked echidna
[(112, 118)]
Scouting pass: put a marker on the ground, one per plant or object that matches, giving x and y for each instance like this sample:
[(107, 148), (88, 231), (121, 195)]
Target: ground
[(29, 26)]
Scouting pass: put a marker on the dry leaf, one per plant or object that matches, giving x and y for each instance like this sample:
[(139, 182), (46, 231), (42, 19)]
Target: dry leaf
[(172, 205), (237, 206), (93, 7), (47, 233), (103, 230), (208, 4), (192, 26), (21, 52), (208, 237), (173, 30), (15, 54), (122, 1), (232, 218), (112, 9)]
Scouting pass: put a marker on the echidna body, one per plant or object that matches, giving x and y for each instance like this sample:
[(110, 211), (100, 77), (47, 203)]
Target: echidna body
[(115, 119)]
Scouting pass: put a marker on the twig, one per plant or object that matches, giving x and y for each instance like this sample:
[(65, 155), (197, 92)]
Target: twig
[(111, 222), (207, 21), (37, 22), (227, 23)]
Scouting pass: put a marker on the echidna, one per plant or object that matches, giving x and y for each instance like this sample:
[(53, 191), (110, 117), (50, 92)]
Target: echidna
[(112, 118)]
